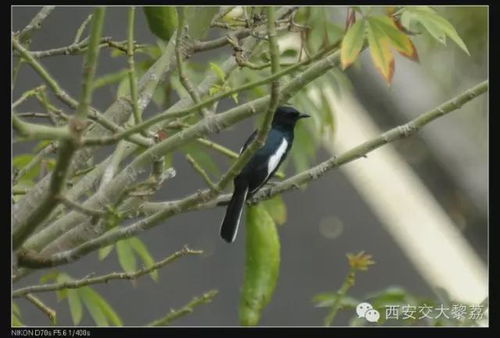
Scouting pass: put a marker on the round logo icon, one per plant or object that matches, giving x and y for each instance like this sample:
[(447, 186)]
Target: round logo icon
[(362, 308)]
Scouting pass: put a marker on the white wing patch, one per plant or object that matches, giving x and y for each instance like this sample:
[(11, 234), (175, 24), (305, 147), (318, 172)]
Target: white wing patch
[(274, 160)]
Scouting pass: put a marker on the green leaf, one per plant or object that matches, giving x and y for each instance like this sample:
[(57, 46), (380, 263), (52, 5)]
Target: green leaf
[(276, 209), (15, 320), (75, 306), (262, 263), (399, 40), (390, 295), (104, 252), (126, 256), (40, 145), (352, 43), (162, 21), (326, 299), (88, 297), (199, 19), (15, 309), (144, 254), (328, 115), (15, 316), (218, 71), (110, 78), (100, 310), (20, 161), (61, 278), (450, 31), (380, 51), (49, 276), (437, 26), (322, 29), (123, 88), (214, 90), (304, 148), (433, 29)]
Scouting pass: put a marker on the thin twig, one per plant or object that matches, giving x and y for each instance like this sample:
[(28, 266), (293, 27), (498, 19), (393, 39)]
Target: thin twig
[(80, 208), (129, 173), (75, 284), (67, 147), (80, 29), (68, 100), (260, 139), (197, 167), (183, 112), (314, 173), (218, 147), (346, 285), (35, 23), (134, 95), (207, 297), (33, 162), (42, 307), (186, 83), (73, 49), (27, 94)]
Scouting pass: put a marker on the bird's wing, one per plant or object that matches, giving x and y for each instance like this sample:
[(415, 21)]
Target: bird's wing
[(248, 141)]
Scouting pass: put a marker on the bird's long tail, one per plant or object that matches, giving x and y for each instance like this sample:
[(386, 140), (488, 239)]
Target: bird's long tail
[(229, 227)]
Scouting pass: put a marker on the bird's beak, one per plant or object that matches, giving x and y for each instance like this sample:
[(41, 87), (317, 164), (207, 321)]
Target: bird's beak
[(301, 116)]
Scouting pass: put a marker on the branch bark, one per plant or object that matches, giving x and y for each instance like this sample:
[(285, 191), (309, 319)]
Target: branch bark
[(105, 278), (198, 199), (68, 147)]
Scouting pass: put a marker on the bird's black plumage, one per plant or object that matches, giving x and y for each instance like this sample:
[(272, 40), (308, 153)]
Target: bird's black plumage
[(261, 166)]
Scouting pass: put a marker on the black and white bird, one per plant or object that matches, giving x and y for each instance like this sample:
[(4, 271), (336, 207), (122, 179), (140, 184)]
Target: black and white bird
[(261, 166)]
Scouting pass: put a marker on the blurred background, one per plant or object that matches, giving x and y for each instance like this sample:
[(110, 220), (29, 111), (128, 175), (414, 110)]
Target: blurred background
[(441, 173)]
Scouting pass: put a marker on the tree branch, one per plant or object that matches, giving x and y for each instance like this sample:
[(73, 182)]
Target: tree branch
[(67, 227), (75, 284), (183, 112), (207, 297), (35, 131), (35, 23), (136, 111), (79, 31), (186, 83), (314, 173), (130, 173), (68, 100), (200, 171), (42, 307), (260, 139), (77, 47), (69, 146)]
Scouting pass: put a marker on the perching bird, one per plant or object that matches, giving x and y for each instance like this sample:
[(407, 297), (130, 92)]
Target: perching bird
[(261, 166)]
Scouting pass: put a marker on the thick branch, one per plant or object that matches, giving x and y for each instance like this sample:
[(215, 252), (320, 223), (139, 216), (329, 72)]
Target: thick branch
[(319, 170), (67, 147), (183, 112), (39, 131), (66, 227), (129, 174)]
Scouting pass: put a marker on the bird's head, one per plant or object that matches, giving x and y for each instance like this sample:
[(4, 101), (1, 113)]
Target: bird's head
[(287, 116)]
